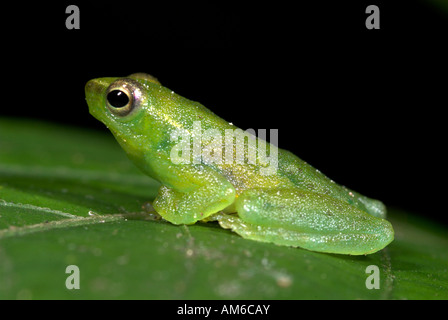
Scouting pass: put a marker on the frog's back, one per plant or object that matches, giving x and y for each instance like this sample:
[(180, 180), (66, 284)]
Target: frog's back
[(306, 177), (294, 173), (302, 175), (289, 172)]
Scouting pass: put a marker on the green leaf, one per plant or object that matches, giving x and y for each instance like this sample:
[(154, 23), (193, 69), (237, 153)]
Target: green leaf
[(71, 197)]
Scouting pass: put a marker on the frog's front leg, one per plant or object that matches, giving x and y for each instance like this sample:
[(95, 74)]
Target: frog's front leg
[(306, 219), (199, 193)]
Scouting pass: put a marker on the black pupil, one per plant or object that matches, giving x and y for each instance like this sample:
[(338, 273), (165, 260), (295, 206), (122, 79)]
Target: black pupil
[(117, 98)]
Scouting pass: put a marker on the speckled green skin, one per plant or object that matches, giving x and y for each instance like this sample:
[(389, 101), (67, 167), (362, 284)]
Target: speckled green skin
[(297, 206)]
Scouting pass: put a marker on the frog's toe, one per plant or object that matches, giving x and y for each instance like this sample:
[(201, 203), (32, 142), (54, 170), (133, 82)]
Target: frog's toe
[(147, 207), (374, 207)]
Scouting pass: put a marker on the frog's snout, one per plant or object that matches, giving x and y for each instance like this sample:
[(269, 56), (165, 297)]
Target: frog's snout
[(94, 90), (90, 89), (90, 85), (90, 92)]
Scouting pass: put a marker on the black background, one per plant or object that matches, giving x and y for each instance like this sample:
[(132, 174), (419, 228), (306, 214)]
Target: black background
[(363, 106)]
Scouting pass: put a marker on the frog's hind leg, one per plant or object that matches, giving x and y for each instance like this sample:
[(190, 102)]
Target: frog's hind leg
[(306, 219)]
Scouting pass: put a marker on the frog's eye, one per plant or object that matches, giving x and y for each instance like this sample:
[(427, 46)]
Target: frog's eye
[(123, 96), (118, 99)]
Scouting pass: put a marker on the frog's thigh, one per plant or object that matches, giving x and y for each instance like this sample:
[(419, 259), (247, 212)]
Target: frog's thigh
[(306, 219), (209, 195)]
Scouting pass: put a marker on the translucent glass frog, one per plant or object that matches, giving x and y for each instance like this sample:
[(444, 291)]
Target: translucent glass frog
[(294, 205)]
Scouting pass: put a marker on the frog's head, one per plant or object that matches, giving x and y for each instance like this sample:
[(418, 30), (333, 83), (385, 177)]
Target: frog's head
[(123, 104)]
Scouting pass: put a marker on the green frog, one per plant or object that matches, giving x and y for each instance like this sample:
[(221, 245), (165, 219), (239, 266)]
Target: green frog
[(279, 199)]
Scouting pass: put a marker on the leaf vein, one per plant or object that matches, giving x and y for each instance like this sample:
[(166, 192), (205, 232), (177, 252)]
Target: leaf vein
[(67, 223), (37, 208)]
